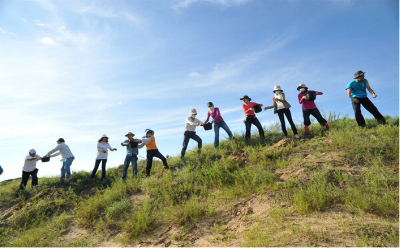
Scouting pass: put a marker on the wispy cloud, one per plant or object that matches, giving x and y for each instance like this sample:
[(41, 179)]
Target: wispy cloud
[(47, 41), (6, 32), (225, 3), (194, 75), (40, 24)]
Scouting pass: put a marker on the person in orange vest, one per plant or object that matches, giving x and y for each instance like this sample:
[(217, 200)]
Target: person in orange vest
[(150, 142)]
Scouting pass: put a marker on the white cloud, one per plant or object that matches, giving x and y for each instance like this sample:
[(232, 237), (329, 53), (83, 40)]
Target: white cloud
[(194, 75), (6, 32), (39, 23), (224, 3), (47, 41)]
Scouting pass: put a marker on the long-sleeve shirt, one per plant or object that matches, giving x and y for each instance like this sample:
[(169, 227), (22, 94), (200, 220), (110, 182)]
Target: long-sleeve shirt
[(63, 150), (190, 125), (132, 151), (30, 164), (150, 143), (216, 115), (307, 104), (246, 108), (100, 150)]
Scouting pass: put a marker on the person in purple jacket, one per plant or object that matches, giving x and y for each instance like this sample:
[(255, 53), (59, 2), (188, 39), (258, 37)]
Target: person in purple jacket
[(218, 122), (309, 108)]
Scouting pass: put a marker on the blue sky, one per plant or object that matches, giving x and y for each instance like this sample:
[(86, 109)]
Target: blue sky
[(80, 69)]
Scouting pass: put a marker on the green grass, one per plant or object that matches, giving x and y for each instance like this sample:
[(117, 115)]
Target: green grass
[(348, 168)]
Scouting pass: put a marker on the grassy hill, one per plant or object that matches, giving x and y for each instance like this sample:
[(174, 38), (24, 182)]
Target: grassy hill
[(336, 188)]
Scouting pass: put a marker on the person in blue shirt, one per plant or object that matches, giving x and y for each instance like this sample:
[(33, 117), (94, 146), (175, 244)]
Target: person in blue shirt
[(357, 91), (132, 151)]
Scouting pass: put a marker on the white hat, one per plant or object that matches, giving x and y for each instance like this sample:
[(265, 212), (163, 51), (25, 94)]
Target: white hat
[(193, 112), (277, 87), (104, 136), (32, 151), (302, 86)]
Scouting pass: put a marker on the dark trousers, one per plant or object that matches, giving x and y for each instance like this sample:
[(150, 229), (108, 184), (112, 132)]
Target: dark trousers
[(281, 113), (103, 167), (190, 135), (154, 153), (314, 112), (255, 122), (25, 178), (368, 105)]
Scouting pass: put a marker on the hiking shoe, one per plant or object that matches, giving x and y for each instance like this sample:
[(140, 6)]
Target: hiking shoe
[(297, 136), (307, 133)]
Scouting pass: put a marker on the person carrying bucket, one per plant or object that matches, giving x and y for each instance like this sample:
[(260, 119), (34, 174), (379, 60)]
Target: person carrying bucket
[(218, 122), (306, 98), (152, 151), (190, 126), (281, 107), (132, 152), (67, 157), (250, 116)]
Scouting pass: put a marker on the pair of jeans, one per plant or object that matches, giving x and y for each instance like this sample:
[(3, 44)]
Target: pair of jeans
[(222, 125), (154, 153), (190, 135), (25, 178), (65, 169), (130, 158), (281, 113), (103, 167), (370, 107), (251, 120), (314, 112)]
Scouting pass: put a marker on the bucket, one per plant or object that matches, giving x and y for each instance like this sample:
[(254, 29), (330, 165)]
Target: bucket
[(46, 159), (207, 126), (133, 144), (257, 108), (311, 96)]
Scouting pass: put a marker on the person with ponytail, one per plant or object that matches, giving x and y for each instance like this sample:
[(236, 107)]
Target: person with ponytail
[(218, 122), (102, 155)]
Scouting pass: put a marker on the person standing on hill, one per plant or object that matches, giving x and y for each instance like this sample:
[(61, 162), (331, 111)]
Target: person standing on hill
[(67, 157), (30, 169), (251, 116), (102, 155), (357, 91), (132, 151), (281, 107), (152, 151), (309, 107), (190, 126), (218, 122)]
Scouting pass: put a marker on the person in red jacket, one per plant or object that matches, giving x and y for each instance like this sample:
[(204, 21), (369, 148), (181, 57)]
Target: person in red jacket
[(309, 107), (250, 116)]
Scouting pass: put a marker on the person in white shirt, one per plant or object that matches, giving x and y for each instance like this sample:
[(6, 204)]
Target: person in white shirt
[(67, 157), (102, 155), (190, 126), (30, 169)]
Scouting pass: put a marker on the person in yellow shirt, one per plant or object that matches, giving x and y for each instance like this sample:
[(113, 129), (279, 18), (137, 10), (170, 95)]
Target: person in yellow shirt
[(150, 142)]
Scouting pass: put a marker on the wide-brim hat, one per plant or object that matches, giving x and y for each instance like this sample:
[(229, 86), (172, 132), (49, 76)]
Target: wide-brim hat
[(245, 97), (149, 130), (301, 86), (104, 136), (193, 111), (277, 87), (129, 133), (359, 74), (32, 151)]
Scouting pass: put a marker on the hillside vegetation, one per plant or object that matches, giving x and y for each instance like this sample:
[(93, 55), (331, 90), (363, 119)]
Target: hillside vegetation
[(336, 188)]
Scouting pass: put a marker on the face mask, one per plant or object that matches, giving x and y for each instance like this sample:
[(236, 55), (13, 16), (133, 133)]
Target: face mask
[(302, 90)]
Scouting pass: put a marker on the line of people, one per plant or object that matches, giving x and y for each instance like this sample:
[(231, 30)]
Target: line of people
[(356, 90)]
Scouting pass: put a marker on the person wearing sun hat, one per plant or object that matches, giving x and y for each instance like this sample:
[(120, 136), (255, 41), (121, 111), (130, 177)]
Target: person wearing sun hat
[(357, 92), (67, 157), (191, 123), (281, 107), (132, 152), (309, 108), (218, 122), (251, 118), (102, 154), (30, 169), (152, 151)]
